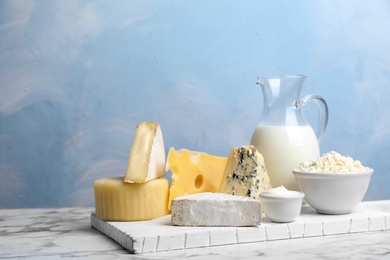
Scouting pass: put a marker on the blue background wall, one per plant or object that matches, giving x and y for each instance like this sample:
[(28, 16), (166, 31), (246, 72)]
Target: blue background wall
[(77, 76)]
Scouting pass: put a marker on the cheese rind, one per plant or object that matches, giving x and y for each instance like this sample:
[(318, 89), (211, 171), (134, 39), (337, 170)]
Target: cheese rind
[(194, 172), (245, 173), (116, 200), (215, 209), (147, 154)]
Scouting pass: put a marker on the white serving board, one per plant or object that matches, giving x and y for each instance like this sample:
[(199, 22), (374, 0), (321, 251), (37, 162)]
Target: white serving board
[(159, 235)]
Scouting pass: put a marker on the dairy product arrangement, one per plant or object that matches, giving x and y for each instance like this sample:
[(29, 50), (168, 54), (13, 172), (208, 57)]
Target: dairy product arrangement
[(206, 190), (143, 193)]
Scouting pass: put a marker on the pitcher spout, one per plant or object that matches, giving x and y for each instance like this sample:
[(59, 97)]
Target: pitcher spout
[(261, 81), (289, 86)]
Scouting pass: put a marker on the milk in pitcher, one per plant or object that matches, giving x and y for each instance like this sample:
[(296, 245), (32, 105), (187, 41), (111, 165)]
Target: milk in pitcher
[(284, 148)]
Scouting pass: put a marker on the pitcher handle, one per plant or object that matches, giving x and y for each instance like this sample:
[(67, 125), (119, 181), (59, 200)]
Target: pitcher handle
[(323, 114)]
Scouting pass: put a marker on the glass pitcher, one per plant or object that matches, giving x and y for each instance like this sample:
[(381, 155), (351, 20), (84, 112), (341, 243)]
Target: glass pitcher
[(283, 135)]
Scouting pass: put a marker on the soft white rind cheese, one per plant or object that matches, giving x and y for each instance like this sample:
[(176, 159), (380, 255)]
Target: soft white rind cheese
[(147, 154), (332, 162), (215, 209)]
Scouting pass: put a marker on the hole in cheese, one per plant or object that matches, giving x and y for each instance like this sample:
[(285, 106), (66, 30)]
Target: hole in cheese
[(186, 165), (199, 181)]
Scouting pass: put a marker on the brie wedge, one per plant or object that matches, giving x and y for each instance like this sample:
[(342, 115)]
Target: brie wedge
[(147, 154)]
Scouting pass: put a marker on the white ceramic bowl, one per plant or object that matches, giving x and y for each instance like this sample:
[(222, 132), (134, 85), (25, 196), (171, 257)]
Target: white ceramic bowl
[(282, 208), (334, 193)]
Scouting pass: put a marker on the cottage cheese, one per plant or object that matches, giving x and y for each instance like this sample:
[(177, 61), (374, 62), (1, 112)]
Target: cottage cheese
[(332, 162)]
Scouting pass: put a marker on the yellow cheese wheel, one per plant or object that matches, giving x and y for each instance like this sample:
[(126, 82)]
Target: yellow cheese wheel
[(194, 172), (116, 200)]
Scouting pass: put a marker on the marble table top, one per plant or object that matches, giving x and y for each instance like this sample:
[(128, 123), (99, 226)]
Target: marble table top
[(67, 233)]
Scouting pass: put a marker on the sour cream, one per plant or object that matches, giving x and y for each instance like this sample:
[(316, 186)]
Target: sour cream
[(281, 191)]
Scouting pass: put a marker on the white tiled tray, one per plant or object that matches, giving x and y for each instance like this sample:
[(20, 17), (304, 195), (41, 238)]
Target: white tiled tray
[(159, 235)]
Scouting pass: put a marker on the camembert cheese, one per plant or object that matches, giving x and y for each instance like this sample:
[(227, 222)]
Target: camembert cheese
[(245, 173), (117, 200), (194, 172), (215, 209), (147, 154)]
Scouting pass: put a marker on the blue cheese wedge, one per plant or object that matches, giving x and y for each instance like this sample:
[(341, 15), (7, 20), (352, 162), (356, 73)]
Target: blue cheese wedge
[(215, 209), (245, 173)]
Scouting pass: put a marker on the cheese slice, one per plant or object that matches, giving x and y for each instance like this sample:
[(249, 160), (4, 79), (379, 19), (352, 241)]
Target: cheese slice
[(147, 154), (215, 209), (116, 200), (245, 173), (194, 172)]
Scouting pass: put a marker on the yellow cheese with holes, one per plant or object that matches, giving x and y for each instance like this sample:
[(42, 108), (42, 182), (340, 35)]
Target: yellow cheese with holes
[(147, 154), (117, 200), (194, 172)]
